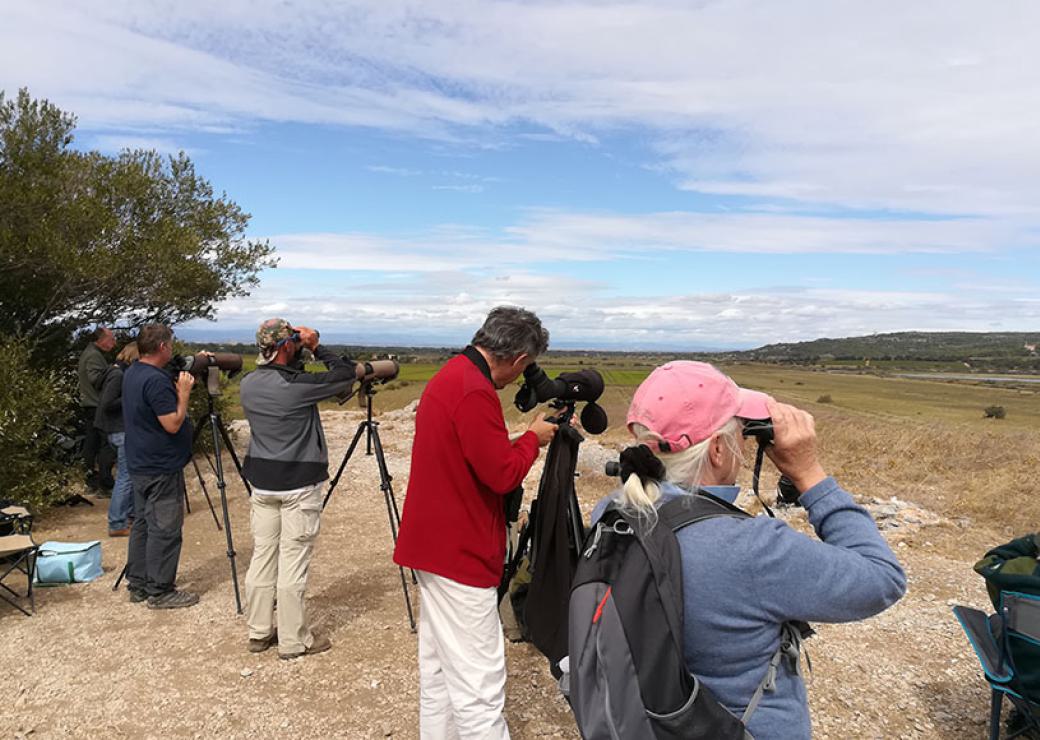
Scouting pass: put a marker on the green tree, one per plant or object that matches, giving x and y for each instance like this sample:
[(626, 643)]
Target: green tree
[(32, 409), (87, 238)]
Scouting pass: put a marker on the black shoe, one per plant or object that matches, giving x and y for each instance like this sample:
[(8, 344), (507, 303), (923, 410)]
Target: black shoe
[(93, 481), (173, 600), (137, 595)]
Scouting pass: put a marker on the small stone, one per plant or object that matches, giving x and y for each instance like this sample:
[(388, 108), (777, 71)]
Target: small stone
[(245, 672)]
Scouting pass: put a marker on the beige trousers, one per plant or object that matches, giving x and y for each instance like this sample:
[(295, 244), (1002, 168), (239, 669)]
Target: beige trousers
[(284, 530)]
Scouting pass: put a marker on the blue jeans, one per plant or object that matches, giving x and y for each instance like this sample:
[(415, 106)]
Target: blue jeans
[(122, 504)]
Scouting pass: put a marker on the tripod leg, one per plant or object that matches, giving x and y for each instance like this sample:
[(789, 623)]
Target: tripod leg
[(205, 492), (234, 455), (368, 418), (222, 488), (198, 433), (388, 491), (115, 586), (339, 471), (384, 477), (187, 501), (391, 510)]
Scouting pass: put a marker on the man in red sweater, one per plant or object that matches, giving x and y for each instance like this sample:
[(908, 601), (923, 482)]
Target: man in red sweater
[(453, 530)]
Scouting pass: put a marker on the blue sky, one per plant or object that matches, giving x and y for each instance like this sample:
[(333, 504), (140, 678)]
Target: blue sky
[(642, 175)]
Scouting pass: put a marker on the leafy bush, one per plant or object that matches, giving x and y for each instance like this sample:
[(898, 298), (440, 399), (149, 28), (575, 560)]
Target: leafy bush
[(825, 398), (34, 406), (994, 412)]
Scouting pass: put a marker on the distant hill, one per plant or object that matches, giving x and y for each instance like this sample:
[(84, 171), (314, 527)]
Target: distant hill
[(980, 351)]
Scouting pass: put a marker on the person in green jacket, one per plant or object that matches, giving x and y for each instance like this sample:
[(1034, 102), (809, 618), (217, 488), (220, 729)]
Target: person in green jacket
[(97, 455)]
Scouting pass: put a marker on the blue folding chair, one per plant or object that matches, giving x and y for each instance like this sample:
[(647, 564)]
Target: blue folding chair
[(999, 640)]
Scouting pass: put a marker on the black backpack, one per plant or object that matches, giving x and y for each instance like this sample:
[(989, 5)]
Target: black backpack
[(626, 674)]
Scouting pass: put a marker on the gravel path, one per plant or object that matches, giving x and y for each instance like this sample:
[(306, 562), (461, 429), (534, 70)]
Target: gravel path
[(90, 664)]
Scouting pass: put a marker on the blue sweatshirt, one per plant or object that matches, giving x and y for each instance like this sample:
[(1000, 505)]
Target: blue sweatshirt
[(743, 578)]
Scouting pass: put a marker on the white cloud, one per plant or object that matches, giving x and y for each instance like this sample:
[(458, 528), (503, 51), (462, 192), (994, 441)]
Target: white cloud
[(926, 106), (579, 314), (750, 232), (826, 107), (436, 287), (399, 171), (561, 237), (461, 188)]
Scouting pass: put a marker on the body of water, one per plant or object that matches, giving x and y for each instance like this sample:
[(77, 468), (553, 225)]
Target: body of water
[(968, 376)]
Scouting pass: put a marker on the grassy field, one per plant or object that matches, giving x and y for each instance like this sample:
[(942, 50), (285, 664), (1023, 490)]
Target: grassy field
[(864, 394), (921, 440)]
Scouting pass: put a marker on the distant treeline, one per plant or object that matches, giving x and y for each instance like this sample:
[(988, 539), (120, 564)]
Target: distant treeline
[(985, 352), (976, 351)]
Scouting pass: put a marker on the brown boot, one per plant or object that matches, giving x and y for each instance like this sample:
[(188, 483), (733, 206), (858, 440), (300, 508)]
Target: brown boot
[(259, 646), (125, 532), (320, 645)]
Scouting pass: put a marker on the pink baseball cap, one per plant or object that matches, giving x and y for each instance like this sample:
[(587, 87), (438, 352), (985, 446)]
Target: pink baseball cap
[(685, 402)]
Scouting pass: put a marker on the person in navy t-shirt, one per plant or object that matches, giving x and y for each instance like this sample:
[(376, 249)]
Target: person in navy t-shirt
[(157, 447)]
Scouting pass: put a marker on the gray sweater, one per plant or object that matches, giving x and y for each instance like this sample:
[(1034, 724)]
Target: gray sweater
[(287, 447), (743, 578)]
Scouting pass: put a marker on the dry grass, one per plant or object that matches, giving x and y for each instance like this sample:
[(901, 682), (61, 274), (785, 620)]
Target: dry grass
[(987, 475), (922, 441)]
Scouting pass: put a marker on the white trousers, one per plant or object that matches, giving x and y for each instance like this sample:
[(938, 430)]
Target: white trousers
[(462, 662)]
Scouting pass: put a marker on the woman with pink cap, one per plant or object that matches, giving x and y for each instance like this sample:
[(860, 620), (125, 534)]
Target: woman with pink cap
[(746, 578)]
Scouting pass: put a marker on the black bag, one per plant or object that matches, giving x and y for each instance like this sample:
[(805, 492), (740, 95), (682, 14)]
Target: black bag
[(627, 676), (556, 533)]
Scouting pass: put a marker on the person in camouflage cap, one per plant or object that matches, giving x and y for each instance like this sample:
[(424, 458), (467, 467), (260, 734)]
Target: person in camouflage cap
[(271, 334), (287, 465)]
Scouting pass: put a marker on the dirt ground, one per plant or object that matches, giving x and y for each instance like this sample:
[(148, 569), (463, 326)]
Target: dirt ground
[(90, 664)]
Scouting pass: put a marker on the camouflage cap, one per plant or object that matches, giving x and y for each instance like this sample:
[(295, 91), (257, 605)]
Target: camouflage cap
[(270, 333)]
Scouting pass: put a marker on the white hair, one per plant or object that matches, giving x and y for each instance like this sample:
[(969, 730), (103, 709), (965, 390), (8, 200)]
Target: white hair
[(685, 468)]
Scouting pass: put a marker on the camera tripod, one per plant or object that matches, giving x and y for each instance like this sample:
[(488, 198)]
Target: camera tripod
[(219, 432), (371, 431)]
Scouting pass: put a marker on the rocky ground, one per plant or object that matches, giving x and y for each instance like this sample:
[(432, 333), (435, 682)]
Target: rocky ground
[(90, 664)]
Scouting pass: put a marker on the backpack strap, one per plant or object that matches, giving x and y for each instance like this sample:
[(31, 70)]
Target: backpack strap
[(682, 511), (791, 648), (662, 548), (686, 510)]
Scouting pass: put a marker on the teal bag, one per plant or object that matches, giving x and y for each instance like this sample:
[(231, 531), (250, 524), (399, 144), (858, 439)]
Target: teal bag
[(68, 562)]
